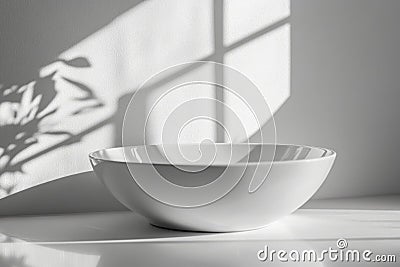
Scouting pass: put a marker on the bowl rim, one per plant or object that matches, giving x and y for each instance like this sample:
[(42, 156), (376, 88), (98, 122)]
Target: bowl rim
[(329, 154)]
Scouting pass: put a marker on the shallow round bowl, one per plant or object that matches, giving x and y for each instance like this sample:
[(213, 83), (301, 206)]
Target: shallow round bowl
[(244, 187)]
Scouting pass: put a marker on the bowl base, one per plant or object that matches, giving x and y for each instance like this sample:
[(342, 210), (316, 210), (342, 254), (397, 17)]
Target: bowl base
[(172, 228)]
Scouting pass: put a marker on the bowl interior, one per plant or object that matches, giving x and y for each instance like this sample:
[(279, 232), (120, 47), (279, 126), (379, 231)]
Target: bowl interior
[(210, 154)]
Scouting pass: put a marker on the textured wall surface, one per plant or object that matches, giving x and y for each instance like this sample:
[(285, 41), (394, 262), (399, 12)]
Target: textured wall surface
[(69, 68), (346, 91)]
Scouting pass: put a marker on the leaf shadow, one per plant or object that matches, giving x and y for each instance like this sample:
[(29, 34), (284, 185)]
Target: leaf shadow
[(23, 109)]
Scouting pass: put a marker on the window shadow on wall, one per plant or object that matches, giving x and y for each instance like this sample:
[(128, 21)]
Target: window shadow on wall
[(23, 133)]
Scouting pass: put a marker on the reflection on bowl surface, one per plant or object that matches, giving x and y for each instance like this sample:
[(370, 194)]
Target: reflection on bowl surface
[(213, 187)]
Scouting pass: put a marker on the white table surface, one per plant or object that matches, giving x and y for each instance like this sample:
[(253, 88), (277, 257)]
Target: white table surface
[(126, 239)]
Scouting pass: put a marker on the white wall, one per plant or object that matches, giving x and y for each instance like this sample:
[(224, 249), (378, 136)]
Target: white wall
[(346, 91), (345, 82), (86, 58)]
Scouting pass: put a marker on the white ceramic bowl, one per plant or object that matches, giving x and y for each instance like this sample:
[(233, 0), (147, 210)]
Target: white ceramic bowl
[(216, 197)]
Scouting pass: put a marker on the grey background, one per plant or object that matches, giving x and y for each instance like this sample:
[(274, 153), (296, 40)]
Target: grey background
[(344, 89)]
